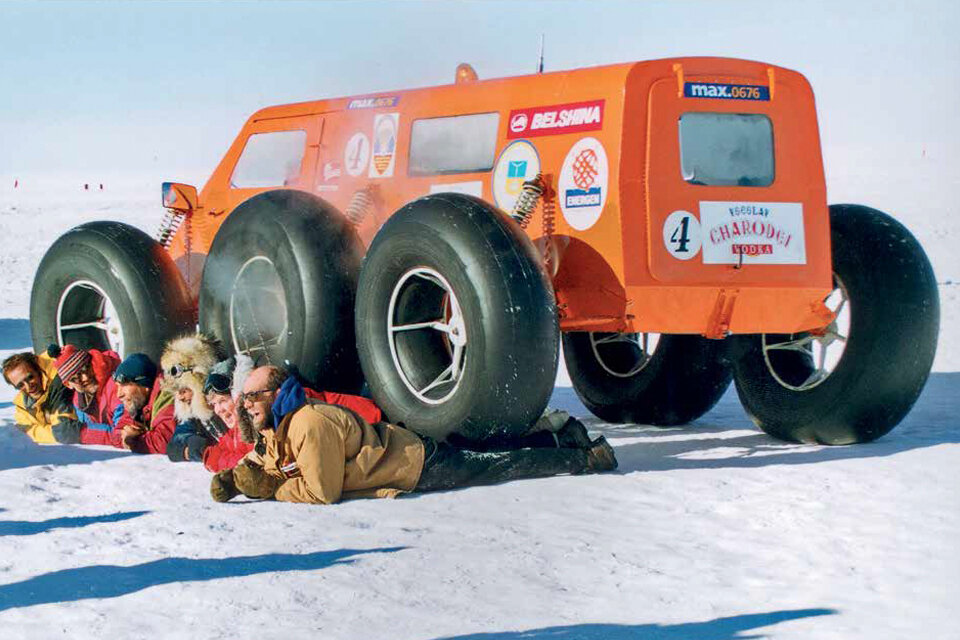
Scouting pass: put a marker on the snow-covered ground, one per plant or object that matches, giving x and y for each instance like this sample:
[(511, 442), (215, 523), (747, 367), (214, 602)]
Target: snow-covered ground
[(712, 531)]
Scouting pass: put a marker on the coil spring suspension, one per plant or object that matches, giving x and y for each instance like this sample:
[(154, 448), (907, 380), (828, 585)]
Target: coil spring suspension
[(168, 227), (527, 201), (360, 206)]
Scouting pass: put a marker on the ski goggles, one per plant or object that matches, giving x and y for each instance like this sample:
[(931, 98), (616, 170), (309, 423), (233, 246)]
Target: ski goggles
[(143, 381), (217, 383), (177, 370)]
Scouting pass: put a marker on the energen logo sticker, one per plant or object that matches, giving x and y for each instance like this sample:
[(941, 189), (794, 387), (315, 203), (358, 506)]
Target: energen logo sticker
[(583, 183), (725, 91), (574, 117)]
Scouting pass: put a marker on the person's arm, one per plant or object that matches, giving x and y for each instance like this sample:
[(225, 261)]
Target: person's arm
[(178, 446), (156, 438), (39, 432), (320, 458), (228, 451)]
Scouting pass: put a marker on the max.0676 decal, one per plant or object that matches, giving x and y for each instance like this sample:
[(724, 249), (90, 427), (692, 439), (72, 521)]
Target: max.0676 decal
[(356, 155), (517, 163), (583, 183), (725, 91), (574, 117), (385, 127)]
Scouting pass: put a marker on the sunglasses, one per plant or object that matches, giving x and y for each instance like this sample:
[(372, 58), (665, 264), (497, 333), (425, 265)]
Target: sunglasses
[(256, 396), (218, 383), (122, 378), (177, 370)]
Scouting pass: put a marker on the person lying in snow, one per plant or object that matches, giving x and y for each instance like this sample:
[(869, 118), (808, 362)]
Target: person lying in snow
[(223, 388), (320, 453), (88, 373), (144, 418), (186, 362), (43, 407)]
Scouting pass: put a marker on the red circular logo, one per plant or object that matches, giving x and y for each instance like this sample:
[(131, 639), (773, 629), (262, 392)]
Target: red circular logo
[(585, 168), (518, 123)]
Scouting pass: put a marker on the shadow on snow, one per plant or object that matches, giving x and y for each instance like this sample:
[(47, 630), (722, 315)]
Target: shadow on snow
[(719, 629), (716, 440), (15, 334), (56, 454), (112, 581), (27, 528)]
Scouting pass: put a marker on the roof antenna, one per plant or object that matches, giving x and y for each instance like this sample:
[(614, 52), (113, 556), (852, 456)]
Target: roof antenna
[(540, 63)]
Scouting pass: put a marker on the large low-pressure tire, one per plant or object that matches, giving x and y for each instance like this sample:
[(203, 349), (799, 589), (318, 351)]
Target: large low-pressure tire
[(107, 285), (857, 378), (642, 378), (456, 320), (279, 284)]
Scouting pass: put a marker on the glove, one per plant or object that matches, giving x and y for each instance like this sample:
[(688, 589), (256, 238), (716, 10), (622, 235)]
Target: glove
[(222, 486), (254, 482)]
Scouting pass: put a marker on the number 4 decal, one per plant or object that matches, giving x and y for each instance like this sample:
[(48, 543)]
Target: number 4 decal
[(681, 235)]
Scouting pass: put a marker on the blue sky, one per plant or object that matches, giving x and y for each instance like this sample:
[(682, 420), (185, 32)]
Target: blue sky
[(158, 90)]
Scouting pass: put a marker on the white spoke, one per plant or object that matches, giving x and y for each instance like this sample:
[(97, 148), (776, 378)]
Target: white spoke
[(96, 324), (447, 375), (793, 345), (439, 325)]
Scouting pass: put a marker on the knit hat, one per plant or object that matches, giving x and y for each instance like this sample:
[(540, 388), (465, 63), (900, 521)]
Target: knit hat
[(71, 360), (186, 361), (137, 368)]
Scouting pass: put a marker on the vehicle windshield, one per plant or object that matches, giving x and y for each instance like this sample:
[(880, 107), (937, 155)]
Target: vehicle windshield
[(726, 149)]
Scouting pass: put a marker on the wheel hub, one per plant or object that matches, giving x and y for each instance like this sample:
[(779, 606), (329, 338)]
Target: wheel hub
[(88, 318), (427, 334), (803, 361)]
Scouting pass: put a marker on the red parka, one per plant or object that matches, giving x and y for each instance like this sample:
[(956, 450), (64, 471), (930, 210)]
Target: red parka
[(158, 418), (98, 415)]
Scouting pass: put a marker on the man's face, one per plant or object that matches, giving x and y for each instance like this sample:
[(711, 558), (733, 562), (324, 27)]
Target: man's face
[(224, 406), (258, 398), (133, 396), (25, 377), (83, 381)]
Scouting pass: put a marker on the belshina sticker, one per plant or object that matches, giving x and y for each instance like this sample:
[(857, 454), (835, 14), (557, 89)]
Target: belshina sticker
[(385, 127), (518, 162), (583, 183), (356, 155)]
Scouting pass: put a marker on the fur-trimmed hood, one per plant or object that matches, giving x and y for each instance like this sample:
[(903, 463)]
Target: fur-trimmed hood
[(197, 353)]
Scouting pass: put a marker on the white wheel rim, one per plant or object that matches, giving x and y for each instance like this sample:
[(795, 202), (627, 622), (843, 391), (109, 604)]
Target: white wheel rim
[(103, 319), (257, 298), (825, 348), (645, 344), (452, 329)]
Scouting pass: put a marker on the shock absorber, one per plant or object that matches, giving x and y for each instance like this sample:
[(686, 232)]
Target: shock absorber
[(168, 227), (527, 201), (360, 206)]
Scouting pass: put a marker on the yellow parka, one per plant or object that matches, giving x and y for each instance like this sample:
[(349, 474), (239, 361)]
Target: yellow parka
[(37, 419)]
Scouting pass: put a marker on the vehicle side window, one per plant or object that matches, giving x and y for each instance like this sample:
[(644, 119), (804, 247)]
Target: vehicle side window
[(727, 149), (270, 160), (455, 144)]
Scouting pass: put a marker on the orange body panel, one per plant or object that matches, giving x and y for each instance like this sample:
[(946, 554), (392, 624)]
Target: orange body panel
[(613, 273)]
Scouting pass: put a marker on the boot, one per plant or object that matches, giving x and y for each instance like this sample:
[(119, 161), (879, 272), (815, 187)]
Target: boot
[(600, 456), (573, 435)]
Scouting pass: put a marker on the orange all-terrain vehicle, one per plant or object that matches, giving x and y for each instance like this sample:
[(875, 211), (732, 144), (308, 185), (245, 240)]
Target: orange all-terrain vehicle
[(667, 219)]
